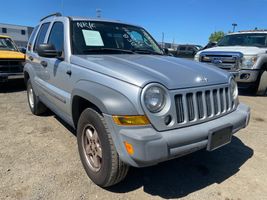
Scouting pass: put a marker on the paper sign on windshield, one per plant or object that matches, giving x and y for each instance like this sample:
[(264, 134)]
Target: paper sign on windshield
[(92, 38)]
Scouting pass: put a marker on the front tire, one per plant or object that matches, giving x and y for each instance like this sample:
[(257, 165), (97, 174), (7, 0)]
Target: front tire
[(97, 151), (36, 106)]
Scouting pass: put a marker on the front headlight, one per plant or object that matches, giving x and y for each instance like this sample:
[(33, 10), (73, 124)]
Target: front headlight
[(249, 61), (234, 89), (155, 99)]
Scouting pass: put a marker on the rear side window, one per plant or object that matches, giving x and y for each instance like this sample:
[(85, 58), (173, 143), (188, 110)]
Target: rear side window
[(57, 36), (41, 35), (29, 46), (191, 49), (182, 48)]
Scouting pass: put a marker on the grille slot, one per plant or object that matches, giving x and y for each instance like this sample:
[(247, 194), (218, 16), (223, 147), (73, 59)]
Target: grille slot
[(200, 105), (190, 106), (11, 66), (179, 108), (208, 103), (215, 102), (222, 99)]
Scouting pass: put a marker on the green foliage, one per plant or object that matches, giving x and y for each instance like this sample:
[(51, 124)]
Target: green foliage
[(216, 36)]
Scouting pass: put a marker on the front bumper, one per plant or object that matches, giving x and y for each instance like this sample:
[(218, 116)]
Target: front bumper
[(7, 76), (152, 147), (247, 76)]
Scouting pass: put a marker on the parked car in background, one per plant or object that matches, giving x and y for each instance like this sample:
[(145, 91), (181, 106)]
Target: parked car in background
[(209, 45), (131, 104), (187, 50), (11, 60), (243, 53)]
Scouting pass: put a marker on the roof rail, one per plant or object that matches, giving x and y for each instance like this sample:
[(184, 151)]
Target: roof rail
[(257, 30), (54, 14)]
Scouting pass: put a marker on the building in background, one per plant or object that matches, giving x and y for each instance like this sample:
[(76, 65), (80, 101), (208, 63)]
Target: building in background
[(19, 34)]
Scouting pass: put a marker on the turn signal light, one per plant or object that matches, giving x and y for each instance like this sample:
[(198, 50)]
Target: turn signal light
[(129, 148), (138, 120)]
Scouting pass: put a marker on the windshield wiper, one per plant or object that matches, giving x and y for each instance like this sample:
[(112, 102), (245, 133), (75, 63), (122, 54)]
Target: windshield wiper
[(146, 51), (109, 50)]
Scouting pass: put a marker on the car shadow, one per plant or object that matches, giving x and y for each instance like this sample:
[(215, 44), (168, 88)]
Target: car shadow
[(14, 85), (180, 177)]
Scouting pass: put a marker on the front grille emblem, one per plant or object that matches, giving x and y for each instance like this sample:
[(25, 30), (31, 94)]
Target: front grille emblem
[(216, 61), (201, 79)]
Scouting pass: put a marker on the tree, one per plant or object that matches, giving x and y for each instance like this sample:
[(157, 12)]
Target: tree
[(216, 36)]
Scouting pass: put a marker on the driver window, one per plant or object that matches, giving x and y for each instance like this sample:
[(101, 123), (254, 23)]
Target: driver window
[(57, 36)]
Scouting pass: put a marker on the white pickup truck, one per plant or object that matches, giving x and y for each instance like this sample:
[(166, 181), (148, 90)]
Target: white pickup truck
[(243, 53)]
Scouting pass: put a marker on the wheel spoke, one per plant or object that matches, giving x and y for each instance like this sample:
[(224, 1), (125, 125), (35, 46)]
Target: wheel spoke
[(89, 134), (99, 151), (88, 149), (96, 161)]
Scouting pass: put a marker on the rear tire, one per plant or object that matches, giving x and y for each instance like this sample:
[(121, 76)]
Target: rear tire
[(97, 151), (36, 106)]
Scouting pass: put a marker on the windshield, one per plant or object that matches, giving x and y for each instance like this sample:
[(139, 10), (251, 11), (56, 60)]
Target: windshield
[(7, 44), (249, 39), (111, 38)]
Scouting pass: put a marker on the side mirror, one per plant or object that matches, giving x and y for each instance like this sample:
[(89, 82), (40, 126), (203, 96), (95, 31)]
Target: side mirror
[(22, 50), (48, 51)]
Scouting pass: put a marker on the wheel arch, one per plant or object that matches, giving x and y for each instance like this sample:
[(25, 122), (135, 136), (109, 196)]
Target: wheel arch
[(103, 99)]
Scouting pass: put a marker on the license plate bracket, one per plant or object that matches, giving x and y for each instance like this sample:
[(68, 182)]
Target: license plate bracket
[(219, 137)]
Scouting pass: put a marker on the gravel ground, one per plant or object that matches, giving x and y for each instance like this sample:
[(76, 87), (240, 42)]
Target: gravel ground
[(39, 160)]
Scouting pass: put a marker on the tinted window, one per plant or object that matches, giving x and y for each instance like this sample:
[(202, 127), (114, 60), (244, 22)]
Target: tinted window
[(245, 39), (23, 32), (31, 38), (57, 36), (182, 48), (41, 35), (4, 30), (191, 49)]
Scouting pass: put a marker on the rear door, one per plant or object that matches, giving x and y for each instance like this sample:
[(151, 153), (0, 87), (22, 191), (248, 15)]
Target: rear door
[(40, 76)]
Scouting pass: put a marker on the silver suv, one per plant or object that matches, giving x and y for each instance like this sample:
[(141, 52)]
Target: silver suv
[(131, 104)]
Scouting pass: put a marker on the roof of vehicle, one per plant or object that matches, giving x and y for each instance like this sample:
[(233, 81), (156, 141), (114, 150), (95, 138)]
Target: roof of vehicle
[(77, 18), (248, 32), (4, 36)]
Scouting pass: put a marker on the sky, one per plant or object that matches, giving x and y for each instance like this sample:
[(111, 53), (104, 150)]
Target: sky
[(182, 21)]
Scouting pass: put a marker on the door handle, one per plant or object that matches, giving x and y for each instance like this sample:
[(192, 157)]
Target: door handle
[(31, 58), (44, 63), (69, 72)]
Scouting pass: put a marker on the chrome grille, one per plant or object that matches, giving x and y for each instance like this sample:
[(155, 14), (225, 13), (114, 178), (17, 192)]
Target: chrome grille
[(200, 105), (230, 61)]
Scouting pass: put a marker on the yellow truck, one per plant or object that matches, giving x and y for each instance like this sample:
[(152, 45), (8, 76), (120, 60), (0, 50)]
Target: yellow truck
[(11, 60)]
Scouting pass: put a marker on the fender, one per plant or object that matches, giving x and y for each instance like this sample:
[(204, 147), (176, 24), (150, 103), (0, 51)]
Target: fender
[(28, 68), (108, 100), (261, 61)]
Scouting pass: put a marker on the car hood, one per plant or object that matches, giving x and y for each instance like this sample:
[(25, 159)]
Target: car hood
[(11, 55), (247, 51), (173, 73)]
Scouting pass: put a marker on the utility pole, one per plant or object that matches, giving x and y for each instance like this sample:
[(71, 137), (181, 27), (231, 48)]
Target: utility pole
[(234, 25), (162, 44), (62, 6), (98, 13)]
